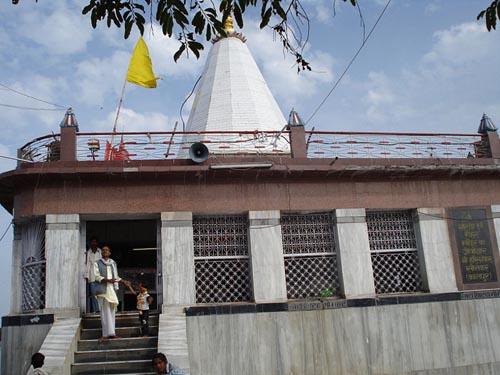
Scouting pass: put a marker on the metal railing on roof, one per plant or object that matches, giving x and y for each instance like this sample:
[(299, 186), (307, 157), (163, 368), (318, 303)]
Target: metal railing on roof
[(320, 144), (392, 145)]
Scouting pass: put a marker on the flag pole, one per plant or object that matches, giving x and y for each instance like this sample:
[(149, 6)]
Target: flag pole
[(120, 102), (119, 105)]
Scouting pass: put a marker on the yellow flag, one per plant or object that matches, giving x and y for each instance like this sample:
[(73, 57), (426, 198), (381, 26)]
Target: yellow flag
[(140, 69)]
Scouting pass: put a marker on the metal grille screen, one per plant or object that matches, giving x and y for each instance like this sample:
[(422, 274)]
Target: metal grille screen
[(222, 268), (33, 264), (395, 262), (310, 255)]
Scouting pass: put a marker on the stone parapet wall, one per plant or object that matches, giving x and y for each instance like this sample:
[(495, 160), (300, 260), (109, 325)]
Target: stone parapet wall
[(421, 338)]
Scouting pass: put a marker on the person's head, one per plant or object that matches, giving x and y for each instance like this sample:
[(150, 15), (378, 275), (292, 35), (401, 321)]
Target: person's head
[(94, 242), (142, 288), (37, 360), (159, 363), (106, 252)]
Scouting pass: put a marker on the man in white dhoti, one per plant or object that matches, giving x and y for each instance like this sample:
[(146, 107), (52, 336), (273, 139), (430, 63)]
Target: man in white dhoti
[(106, 274)]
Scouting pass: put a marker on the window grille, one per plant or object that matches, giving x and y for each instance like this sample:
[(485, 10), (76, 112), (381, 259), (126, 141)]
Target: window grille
[(33, 264), (393, 247), (222, 268), (310, 255)]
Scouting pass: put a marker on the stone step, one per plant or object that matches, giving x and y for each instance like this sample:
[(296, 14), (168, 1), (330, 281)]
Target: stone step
[(122, 343), (129, 320), (118, 314), (95, 333), (114, 355), (117, 367)]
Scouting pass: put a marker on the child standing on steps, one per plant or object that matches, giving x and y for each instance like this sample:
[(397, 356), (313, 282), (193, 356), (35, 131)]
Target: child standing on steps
[(143, 302)]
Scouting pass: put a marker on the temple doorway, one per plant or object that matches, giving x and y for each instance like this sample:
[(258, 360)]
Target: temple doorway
[(134, 247)]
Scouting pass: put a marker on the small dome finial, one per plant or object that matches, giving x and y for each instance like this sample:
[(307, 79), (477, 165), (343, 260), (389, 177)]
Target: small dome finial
[(486, 125), (228, 25), (69, 120)]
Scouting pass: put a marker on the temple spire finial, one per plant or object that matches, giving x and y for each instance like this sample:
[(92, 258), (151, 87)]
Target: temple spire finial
[(228, 25)]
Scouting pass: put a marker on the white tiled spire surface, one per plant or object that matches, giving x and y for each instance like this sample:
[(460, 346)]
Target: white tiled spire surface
[(233, 95)]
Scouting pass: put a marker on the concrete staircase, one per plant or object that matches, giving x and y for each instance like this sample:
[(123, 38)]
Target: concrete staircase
[(130, 354)]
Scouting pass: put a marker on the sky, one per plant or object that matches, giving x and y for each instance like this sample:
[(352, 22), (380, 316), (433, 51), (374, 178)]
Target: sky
[(429, 67)]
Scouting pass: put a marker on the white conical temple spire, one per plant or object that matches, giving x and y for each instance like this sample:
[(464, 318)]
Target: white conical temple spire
[(233, 95)]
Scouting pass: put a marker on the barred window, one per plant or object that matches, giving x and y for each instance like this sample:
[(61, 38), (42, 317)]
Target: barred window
[(32, 236), (222, 268), (310, 255), (393, 247)]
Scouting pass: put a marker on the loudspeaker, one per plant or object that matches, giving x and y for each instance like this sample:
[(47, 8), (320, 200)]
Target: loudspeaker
[(198, 152)]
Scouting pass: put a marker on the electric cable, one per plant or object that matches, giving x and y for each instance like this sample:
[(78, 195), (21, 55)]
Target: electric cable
[(350, 63), (30, 96), (6, 230), (30, 108), (184, 102)]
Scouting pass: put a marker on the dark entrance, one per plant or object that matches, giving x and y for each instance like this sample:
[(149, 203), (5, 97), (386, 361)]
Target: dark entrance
[(133, 246)]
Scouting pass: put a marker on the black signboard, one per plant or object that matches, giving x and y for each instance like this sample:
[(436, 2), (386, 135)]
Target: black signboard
[(474, 247)]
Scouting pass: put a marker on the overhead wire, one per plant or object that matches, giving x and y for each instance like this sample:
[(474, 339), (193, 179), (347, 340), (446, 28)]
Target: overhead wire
[(31, 96), (350, 62), (30, 108), (185, 101), (5, 232)]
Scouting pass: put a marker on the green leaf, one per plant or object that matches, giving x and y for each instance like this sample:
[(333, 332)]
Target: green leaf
[(179, 52), (198, 22), (128, 29), (266, 18), (88, 8), (93, 18), (195, 47), (238, 16), (141, 27), (277, 7), (209, 34)]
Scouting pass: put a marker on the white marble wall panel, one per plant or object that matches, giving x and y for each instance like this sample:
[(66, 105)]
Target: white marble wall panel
[(266, 252), (62, 249), (177, 258), (18, 345), (353, 252), (434, 338), (82, 283), (436, 255), (16, 279), (172, 337), (60, 345)]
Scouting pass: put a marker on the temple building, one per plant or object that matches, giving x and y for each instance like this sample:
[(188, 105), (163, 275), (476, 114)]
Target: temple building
[(277, 250)]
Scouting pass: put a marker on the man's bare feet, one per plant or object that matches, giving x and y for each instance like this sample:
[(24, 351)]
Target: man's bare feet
[(103, 339), (114, 337)]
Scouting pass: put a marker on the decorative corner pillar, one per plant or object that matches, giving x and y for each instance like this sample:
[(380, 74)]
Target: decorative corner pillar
[(266, 256), (16, 276), (435, 253), (177, 251), (69, 128), (494, 143), (298, 145), (62, 253), (353, 252)]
